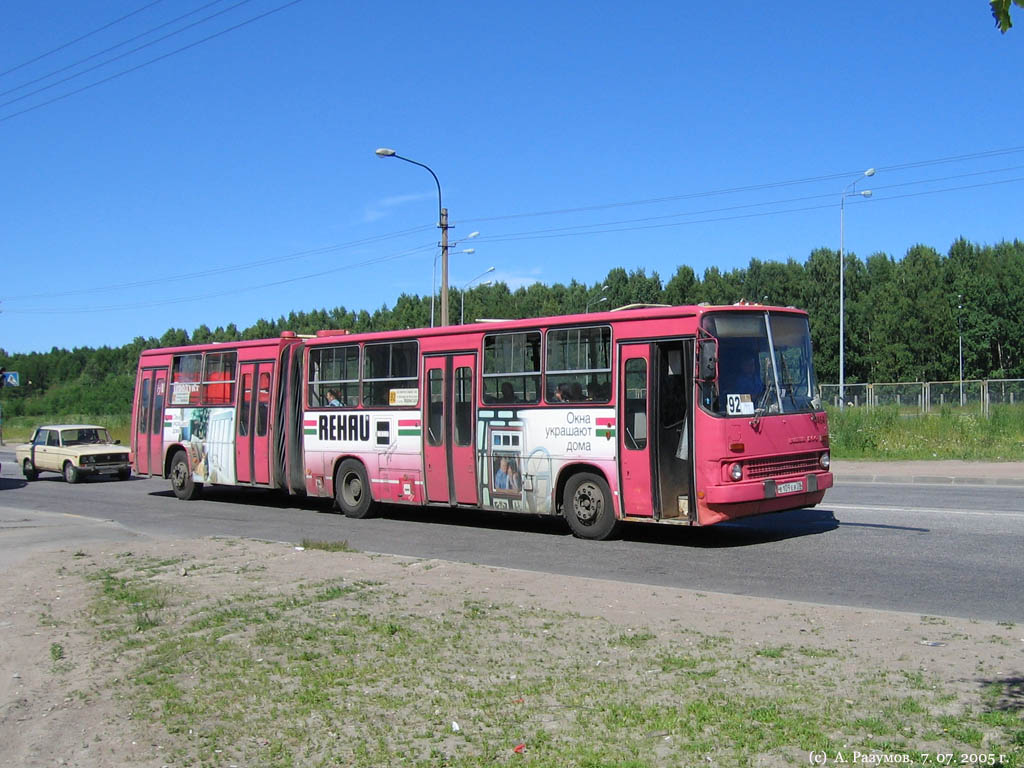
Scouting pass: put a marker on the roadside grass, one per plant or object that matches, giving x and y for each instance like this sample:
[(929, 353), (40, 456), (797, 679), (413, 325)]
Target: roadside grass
[(328, 546), (357, 672), (855, 433), (19, 429), (950, 433)]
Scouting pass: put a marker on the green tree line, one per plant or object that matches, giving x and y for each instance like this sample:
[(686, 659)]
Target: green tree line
[(903, 320)]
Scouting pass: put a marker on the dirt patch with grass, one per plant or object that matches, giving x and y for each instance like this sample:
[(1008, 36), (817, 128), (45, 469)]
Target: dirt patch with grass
[(223, 652)]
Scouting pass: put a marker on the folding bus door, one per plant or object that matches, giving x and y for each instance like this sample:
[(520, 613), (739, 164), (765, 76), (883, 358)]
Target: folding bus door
[(252, 441), (148, 426), (635, 444), (448, 453), (655, 440)]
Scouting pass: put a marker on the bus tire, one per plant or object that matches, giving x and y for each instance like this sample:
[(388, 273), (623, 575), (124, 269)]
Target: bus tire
[(587, 506), (352, 490), (28, 469), (71, 472), (184, 487)]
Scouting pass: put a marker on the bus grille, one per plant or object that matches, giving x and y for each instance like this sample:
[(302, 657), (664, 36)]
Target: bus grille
[(787, 465)]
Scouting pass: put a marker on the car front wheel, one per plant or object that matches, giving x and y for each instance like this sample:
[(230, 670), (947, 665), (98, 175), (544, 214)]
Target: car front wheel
[(71, 473), (29, 470)]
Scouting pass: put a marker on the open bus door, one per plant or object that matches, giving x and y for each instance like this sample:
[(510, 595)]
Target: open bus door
[(656, 442), (148, 424), (449, 456)]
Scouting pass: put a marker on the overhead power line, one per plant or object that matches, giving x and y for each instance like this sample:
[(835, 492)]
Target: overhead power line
[(150, 61), (748, 188), (114, 47), (223, 269), (230, 292), (79, 39), (120, 56), (611, 227)]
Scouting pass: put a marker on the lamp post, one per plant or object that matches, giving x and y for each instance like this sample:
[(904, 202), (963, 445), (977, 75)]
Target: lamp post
[(960, 333), (433, 277), (462, 310), (848, 191), (442, 219)]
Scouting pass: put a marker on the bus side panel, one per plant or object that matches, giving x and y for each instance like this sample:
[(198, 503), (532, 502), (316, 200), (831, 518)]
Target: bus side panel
[(208, 436), (522, 452), (387, 442)]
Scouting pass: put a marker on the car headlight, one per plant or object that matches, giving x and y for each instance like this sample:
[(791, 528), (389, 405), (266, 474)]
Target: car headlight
[(823, 461), (88, 460), (736, 472)]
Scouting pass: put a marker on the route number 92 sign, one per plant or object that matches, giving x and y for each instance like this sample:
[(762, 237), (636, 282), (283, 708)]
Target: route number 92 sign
[(739, 405)]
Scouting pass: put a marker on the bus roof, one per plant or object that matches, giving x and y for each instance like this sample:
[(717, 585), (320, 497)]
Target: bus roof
[(631, 312)]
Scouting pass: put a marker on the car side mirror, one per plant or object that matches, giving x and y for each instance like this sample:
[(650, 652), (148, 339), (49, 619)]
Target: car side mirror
[(117, 442)]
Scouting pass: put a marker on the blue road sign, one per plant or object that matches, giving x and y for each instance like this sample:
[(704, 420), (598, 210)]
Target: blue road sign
[(11, 379)]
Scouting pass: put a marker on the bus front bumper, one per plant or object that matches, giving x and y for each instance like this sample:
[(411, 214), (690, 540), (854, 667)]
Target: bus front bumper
[(783, 489)]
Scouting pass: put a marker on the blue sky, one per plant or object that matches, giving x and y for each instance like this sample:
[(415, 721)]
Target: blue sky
[(186, 191)]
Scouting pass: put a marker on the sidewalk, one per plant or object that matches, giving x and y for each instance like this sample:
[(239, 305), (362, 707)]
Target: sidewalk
[(948, 472)]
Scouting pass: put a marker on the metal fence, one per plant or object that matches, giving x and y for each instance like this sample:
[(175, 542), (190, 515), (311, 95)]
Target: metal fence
[(927, 396)]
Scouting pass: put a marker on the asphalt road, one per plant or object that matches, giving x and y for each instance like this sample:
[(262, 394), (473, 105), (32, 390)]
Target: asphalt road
[(930, 549)]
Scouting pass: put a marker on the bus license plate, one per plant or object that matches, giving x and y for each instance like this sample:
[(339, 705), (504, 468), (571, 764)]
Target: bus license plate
[(793, 487)]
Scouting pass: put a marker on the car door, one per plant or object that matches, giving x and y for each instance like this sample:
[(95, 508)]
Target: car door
[(48, 451), (38, 450)]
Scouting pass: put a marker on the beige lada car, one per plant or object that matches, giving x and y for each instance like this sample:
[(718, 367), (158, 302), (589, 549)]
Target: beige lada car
[(75, 451)]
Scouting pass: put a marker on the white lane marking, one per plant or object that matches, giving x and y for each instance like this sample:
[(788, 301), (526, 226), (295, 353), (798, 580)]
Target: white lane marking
[(1001, 513)]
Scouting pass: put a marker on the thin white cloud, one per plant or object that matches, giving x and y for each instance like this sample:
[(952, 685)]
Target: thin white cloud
[(383, 208)]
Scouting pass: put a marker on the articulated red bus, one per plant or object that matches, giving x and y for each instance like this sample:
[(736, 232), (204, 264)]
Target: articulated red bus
[(683, 415)]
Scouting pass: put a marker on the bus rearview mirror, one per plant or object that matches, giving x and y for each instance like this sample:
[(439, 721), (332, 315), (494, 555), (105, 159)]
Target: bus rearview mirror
[(708, 362)]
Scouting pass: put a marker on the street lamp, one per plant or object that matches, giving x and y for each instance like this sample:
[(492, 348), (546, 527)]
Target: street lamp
[(442, 219), (462, 310), (960, 333), (602, 289), (848, 191), (433, 276)]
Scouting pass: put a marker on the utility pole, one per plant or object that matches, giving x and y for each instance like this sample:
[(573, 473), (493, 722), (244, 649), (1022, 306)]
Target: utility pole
[(444, 263)]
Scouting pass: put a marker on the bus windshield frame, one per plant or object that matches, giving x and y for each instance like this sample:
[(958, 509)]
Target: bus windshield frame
[(765, 365)]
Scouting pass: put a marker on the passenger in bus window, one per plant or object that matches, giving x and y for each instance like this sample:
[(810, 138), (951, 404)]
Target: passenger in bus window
[(508, 393), (332, 399)]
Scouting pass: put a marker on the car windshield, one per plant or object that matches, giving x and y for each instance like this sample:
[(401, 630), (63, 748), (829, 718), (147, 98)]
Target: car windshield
[(84, 436), (764, 364)]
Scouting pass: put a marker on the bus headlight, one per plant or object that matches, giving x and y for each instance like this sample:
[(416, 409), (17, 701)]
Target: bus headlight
[(824, 461), (736, 472)]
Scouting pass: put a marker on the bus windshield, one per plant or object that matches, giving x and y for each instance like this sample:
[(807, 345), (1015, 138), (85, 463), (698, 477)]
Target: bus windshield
[(764, 365)]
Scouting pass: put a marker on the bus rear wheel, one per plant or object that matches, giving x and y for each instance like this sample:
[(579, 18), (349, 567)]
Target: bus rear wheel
[(587, 507), (352, 490), (184, 487)]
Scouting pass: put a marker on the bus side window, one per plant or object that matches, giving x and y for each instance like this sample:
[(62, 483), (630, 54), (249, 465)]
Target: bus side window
[(636, 404), (263, 405)]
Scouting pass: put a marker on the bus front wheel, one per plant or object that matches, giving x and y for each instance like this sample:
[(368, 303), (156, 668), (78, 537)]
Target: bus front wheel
[(352, 490), (185, 488), (587, 506)]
